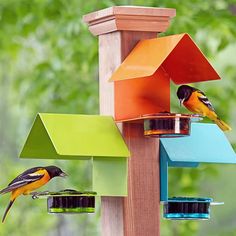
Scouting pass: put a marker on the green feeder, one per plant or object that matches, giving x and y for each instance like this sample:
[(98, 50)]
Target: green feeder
[(68, 201), (82, 137)]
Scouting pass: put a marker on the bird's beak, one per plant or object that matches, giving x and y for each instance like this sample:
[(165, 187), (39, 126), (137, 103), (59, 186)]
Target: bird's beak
[(63, 174), (181, 101)]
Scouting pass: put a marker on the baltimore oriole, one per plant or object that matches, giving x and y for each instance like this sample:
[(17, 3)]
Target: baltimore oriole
[(28, 181), (196, 101)]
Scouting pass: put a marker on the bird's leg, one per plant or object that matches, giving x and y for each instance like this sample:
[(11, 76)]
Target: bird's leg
[(35, 195)]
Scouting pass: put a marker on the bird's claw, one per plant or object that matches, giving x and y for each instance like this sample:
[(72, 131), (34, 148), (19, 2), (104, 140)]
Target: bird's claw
[(35, 195)]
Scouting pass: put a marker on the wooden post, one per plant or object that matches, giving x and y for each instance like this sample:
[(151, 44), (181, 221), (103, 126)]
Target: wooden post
[(119, 29)]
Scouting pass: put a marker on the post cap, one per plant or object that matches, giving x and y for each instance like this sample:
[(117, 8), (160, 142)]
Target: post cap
[(129, 18)]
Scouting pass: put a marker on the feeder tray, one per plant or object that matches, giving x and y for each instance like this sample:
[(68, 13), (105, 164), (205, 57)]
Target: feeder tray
[(187, 208), (168, 125), (68, 201)]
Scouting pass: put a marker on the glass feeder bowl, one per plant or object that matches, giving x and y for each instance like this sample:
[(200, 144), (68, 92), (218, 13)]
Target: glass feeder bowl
[(188, 208), (69, 201), (168, 125)]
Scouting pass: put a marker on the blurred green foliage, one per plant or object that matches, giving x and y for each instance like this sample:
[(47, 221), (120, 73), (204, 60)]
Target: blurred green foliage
[(49, 63)]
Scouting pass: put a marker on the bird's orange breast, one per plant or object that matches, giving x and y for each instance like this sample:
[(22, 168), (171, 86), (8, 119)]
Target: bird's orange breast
[(195, 105)]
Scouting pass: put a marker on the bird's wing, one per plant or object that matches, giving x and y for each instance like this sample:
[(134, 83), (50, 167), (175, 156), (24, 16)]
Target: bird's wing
[(203, 98), (26, 177)]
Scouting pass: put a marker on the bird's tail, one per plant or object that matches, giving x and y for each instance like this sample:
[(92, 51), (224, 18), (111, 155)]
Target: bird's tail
[(219, 122), (222, 124), (7, 209)]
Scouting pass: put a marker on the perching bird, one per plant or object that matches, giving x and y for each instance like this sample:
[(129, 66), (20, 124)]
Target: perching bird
[(28, 181), (196, 101)]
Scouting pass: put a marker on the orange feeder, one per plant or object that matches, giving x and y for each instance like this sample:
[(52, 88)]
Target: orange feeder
[(142, 81), (168, 125)]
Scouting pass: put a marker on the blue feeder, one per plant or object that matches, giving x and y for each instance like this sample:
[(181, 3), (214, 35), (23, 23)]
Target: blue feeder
[(186, 208), (207, 143)]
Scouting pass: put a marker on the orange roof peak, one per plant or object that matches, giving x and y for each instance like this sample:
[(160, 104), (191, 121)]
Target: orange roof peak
[(177, 55)]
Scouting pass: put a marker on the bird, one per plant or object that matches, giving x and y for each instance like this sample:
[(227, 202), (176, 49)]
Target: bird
[(196, 101), (28, 181)]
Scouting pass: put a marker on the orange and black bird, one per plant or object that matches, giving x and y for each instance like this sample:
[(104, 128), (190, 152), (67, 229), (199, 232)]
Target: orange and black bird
[(196, 101), (28, 181)]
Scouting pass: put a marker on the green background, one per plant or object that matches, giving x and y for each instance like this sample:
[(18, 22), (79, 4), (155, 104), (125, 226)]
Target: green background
[(49, 63)]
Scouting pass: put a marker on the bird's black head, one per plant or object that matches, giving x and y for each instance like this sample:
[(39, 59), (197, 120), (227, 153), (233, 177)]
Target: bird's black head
[(54, 171), (184, 92)]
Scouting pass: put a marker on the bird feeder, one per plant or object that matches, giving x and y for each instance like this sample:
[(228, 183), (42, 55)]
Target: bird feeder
[(82, 137), (186, 208), (168, 125), (68, 201), (142, 81), (207, 143)]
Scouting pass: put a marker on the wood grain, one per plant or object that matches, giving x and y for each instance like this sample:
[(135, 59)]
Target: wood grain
[(141, 207), (109, 59), (112, 216), (129, 10)]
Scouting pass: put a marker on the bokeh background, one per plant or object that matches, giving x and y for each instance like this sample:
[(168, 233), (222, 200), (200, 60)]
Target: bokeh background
[(49, 63)]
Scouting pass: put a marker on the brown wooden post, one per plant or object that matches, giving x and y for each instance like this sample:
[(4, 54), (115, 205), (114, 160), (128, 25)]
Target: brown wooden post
[(119, 29)]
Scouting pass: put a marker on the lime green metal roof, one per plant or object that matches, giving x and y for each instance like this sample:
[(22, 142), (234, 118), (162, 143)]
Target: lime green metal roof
[(70, 136)]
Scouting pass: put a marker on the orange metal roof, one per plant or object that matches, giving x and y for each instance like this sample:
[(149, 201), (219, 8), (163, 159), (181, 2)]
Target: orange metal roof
[(178, 55)]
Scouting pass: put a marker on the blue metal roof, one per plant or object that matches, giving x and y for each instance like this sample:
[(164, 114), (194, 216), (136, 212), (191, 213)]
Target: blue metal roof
[(207, 143)]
